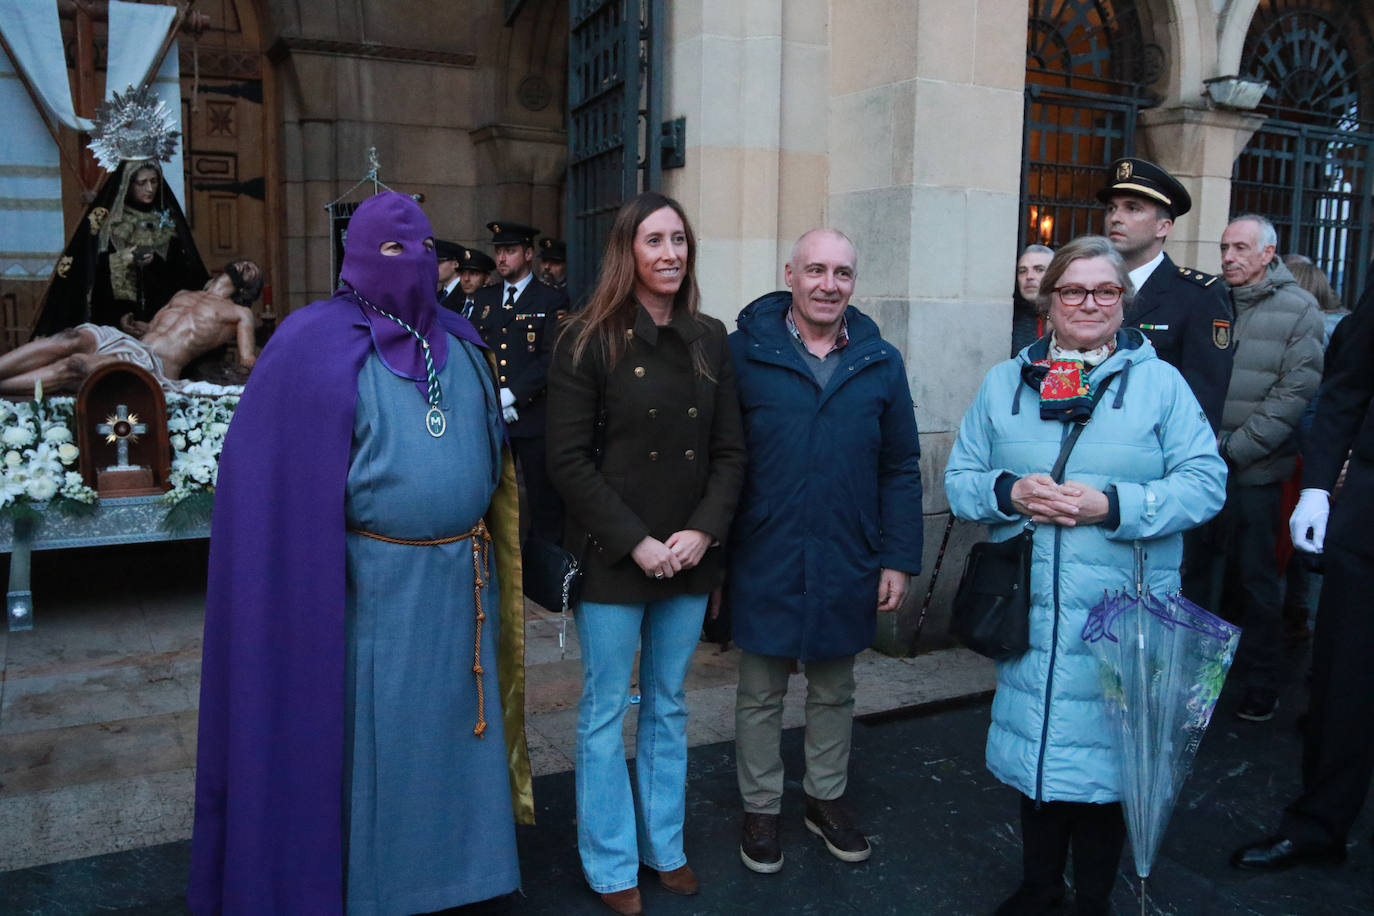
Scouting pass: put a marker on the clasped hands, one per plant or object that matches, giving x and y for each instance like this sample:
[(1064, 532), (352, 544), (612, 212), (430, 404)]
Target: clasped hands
[(664, 559), (1069, 503)]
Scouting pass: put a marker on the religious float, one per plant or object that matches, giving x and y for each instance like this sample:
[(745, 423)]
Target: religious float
[(132, 457)]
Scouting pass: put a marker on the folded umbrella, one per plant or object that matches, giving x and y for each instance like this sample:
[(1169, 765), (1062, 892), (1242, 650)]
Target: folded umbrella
[(1163, 663)]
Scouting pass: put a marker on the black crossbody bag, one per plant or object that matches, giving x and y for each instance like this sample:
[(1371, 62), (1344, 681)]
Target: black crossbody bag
[(551, 575), (991, 613)]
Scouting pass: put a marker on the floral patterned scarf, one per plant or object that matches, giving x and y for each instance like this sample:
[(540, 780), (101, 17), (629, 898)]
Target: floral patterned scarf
[(1065, 393)]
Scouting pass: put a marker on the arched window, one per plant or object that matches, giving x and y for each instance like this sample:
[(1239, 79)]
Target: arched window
[(1086, 68), (1311, 166)]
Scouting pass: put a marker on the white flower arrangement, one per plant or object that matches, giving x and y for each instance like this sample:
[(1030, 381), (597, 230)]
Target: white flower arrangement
[(39, 458), (197, 426)]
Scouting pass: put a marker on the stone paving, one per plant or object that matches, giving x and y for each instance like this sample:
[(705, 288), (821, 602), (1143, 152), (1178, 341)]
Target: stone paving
[(943, 831), (97, 733), (98, 702)]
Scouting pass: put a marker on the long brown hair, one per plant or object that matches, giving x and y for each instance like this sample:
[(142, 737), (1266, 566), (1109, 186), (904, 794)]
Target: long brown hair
[(610, 311)]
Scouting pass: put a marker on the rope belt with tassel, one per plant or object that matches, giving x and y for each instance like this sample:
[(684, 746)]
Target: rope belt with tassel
[(481, 545)]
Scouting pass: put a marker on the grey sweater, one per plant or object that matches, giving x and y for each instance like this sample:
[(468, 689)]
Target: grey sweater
[(1278, 366)]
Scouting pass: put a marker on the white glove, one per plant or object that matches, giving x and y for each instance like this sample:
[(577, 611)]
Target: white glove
[(510, 413), (1310, 513), (507, 398)]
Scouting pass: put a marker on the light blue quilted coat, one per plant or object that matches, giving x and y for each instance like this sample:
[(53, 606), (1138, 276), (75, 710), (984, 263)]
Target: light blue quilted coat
[(1148, 437)]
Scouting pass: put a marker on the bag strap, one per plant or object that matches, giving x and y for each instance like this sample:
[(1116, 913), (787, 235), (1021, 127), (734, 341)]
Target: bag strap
[(1072, 438)]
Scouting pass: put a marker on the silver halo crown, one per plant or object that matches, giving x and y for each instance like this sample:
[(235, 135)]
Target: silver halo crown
[(133, 125)]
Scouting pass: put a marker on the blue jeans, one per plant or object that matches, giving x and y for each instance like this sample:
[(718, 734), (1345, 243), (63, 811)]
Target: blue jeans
[(613, 835)]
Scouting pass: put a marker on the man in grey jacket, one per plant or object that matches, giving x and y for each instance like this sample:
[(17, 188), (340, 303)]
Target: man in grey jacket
[(1278, 365)]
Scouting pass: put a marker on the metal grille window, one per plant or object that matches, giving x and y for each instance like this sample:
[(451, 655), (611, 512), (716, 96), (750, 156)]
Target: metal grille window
[(615, 90), (1310, 168), (1085, 67)]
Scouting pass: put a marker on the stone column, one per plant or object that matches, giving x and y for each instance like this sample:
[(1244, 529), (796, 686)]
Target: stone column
[(925, 159), (520, 173), (751, 79), (1199, 147)]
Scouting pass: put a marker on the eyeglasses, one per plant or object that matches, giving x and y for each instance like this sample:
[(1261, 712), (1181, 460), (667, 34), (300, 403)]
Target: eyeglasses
[(1077, 295)]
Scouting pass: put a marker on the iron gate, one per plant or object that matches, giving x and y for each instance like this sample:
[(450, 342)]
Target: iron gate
[(615, 65), (1314, 184), (1310, 168), (1070, 140)]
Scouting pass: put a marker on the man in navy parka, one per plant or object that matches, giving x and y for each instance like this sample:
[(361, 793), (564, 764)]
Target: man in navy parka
[(827, 533)]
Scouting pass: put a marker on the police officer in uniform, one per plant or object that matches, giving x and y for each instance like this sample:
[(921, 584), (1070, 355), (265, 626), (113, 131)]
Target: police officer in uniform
[(1338, 744), (553, 262), (450, 256), (1185, 312), (518, 319), (474, 272)]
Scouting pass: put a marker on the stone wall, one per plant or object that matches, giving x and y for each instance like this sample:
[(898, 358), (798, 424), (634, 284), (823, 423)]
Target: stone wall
[(461, 109), (750, 78)]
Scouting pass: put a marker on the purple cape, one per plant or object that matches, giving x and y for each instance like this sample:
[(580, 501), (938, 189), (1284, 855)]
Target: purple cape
[(269, 761)]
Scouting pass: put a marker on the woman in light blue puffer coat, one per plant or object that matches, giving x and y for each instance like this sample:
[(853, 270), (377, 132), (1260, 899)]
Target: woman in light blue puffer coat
[(1144, 469)]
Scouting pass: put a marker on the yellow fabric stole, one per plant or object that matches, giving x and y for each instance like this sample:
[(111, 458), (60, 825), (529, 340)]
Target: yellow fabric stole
[(503, 521)]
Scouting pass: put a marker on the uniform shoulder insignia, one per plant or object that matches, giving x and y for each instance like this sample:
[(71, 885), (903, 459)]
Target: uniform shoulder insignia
[(1197, 276)]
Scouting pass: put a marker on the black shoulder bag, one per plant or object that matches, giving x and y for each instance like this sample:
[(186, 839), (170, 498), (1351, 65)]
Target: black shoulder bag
[(991, 613), (551, 575)]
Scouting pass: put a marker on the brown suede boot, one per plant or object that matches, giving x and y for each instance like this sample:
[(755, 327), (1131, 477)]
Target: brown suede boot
[(680, 880), (626, 902)]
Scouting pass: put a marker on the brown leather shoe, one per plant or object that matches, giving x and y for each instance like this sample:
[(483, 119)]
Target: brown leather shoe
[(626, 902), (680, 881)]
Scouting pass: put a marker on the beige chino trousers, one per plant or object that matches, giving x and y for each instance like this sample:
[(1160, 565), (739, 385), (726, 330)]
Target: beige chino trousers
[(758, 728)]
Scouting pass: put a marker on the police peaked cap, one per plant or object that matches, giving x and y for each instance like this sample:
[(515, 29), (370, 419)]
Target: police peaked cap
[(553, 250), (445, 250), (473, 259), (1145, 179), (503, 233)]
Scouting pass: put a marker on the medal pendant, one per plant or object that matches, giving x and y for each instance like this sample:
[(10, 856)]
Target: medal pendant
[(435, 422)]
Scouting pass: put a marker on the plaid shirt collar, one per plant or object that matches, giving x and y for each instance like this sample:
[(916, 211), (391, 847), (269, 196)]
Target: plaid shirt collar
[(841, 339)]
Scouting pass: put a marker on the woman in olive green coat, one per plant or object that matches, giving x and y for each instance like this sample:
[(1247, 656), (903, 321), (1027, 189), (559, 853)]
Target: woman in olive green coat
[(650, 491)]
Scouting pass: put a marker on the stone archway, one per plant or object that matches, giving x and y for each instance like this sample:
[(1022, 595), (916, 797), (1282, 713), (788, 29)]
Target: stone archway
[(1310, 167), (521, 143)]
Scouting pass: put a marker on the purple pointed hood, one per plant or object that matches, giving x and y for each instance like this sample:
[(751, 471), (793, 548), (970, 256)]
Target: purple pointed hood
[(402, 284)]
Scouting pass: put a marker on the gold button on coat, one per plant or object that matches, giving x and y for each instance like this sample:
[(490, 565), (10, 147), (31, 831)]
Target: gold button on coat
[(691, 411), (503, 362), (653, 456), (653, 412), (690, 455), (639, 372)]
